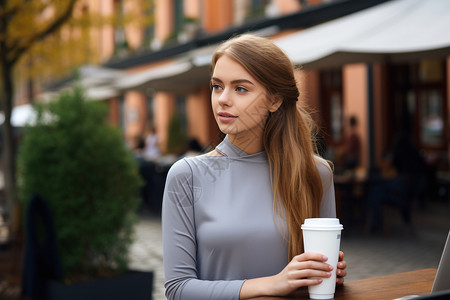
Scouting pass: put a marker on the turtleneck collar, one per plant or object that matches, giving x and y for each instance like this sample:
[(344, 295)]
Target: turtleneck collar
[(228, 149)]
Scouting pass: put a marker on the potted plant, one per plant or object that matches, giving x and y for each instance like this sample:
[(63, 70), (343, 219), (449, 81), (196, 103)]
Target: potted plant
[(78, 163)]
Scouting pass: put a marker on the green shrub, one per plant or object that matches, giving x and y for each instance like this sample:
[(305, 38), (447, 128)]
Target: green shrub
[(80, 165), (177, 140)]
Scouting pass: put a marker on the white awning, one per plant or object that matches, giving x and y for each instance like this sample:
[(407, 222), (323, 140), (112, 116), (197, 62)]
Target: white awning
[(140, 79), (21, 115), (179, 76), (396, 30), (101, 93), (91, 76)]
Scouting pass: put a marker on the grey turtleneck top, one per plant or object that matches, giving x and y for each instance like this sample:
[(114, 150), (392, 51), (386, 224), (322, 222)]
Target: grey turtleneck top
[(218, 223)]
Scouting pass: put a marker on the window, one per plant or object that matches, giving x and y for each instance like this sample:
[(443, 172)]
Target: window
[(122, 112), (149, 31), (120, 43), (150, 109), (181, 111), (418, 94), (257, 9), (336, 116), (178, 16), (331, 102), (431, 118)]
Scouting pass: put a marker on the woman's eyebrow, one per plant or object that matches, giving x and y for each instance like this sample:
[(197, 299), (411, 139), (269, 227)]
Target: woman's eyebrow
[(237, 81), (216, 79)]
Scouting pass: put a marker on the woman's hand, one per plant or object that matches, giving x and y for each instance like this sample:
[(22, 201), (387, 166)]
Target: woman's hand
[(341, 269), (298, 272), (295, 275)]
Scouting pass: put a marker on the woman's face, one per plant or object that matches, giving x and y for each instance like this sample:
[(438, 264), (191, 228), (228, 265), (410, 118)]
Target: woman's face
[(239, 104)]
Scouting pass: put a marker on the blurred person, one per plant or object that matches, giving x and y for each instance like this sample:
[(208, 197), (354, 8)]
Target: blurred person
[(138, 146), (348, 160), (194, 148), (401, 181), (352, 145), (231, 218), (151, 150)]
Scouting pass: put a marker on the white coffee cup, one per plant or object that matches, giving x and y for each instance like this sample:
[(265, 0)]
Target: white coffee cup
[(323, 235)]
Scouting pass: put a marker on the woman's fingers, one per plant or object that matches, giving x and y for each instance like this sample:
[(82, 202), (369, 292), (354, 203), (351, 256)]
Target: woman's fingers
[(314, 265), (309, 273), (342, 265), (310, 256), (316, 261), (309, 265), (309, 268), (341, 271)]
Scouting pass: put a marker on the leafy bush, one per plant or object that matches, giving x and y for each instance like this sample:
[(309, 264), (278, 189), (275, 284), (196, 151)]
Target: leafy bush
[(177, 140), (80, 165)]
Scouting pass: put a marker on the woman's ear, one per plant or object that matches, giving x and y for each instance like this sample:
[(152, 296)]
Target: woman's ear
[(276, 103)]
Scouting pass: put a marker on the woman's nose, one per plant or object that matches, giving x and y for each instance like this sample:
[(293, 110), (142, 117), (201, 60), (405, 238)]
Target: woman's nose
[(224, 97)]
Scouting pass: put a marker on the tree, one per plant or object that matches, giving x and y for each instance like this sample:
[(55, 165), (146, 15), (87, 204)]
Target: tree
[(22, 24), (41, 34), (79, 164)]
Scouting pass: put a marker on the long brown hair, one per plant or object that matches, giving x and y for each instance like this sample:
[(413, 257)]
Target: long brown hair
[(288, 134)]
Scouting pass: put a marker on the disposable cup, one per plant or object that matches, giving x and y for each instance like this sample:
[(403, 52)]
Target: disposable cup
[(323, 235)]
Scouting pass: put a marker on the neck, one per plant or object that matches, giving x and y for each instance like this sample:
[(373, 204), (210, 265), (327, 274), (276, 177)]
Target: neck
[(249, 145)]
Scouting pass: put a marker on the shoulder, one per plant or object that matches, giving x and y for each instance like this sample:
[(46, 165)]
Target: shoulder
[(180, 169), (325, 169), (323, 165), (193, 165)]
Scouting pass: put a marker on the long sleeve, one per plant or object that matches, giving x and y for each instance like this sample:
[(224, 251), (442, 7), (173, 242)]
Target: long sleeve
[(328, 203), (219, 225), (180, 242)]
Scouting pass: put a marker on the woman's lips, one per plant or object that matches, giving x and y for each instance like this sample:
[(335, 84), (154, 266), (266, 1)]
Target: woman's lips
[(226, 117)]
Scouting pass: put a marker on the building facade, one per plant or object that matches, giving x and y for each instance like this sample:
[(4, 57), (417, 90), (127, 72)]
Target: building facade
[(385, 96)]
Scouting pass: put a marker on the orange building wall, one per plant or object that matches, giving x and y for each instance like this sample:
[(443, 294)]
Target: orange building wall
[(135, 114), (217, 15), (113, 116), (106, 33), (288, 6), (133, 32), (308, 83), (355, 102), (163, 19), (191, 8), (164, 106), (198, 110)]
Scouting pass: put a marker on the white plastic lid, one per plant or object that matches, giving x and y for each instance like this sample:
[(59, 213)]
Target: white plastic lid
[(322, 224)]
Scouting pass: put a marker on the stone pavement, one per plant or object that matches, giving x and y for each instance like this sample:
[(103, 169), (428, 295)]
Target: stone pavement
[(146, 253), (399, 249)]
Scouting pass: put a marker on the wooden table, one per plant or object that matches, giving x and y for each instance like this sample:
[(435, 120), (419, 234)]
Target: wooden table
[(380, 288)]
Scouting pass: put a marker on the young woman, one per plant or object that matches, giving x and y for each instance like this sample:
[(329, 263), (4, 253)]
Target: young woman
[(231, 219)]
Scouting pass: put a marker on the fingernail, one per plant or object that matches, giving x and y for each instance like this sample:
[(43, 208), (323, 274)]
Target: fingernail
[(324, 258), (331, 267)]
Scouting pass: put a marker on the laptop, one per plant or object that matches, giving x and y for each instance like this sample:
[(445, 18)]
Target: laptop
[(442, 280), (441, 284)]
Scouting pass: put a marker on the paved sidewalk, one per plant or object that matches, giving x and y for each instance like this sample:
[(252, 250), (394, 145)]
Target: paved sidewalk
[(146, 253), (400, 250)]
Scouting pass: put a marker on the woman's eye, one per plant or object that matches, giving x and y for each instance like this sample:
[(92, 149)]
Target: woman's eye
[(241, 89), (216, 87)]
